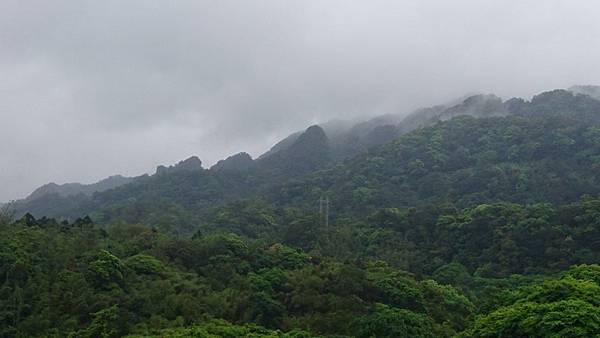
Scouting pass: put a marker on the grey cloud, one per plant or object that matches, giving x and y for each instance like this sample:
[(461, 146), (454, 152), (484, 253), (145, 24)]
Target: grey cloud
[(94, 88)]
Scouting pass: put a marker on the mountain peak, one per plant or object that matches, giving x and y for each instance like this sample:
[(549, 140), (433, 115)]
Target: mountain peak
[(192, 163), (313, 133), (309, 151), (73, 189), (312, 141), (314, 129), (238, 162), (479, 105)]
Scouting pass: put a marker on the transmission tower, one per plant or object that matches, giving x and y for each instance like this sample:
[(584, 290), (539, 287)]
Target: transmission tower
[(324, 210)]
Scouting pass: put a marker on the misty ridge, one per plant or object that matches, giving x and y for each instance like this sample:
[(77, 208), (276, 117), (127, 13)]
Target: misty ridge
[(347, 137), (158, 85), (308, 169), (456, 220), (340, 139)]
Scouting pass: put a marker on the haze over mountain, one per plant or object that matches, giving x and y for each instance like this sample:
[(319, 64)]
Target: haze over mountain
[(476, 219), (297, 156), (336, 139), (93, 88), (300, 169), (590, 90), (333, 141)]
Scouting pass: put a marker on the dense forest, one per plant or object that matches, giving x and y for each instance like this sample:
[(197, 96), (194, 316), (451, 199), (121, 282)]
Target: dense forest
[(80, 280), (476, 220)]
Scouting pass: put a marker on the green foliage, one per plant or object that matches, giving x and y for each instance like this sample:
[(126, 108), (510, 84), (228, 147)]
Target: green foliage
[(459, 228), (585, 272), (465, 161), (104, 270), (182, 282), (544, 151), (566, 307), (136, 280), (6, 215), (252, 219), (390, 322), (103, 324), (569, 318), (223, 329), (145, 264), (74, 279)]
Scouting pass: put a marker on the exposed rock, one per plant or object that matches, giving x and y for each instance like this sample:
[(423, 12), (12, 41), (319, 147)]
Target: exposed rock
[(191, 164), (310, 151), (281, 145), (238, 162)]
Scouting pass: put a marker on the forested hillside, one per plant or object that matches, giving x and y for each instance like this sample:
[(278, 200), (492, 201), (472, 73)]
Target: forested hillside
[(79, 280), (476, 220)]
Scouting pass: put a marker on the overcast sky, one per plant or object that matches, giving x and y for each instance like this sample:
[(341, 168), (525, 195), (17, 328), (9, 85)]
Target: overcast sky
[(94, 88)]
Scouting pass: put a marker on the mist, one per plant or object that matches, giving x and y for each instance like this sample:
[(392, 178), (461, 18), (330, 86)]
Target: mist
[(90, 89)]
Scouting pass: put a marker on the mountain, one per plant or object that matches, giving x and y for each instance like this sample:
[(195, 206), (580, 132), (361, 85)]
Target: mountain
[(349, 138), (346, 138), (463, 161), (592, 91), (310, 151), (478, 219), (550, 140), (281, 145), (527, 151), (65, 200), (73, 189), (190, 164), (238, 162), (557, 102), (477, 106)]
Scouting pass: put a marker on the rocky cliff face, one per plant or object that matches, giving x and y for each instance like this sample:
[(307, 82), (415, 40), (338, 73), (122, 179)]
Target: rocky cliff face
[(191, 164), (310, 151), (238, 162)]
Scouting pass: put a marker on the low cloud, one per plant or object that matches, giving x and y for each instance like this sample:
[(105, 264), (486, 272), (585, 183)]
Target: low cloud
[(94, 88)]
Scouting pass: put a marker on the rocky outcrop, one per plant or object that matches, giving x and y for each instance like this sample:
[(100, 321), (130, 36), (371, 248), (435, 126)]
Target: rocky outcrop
[(189, 165), (238, 162)]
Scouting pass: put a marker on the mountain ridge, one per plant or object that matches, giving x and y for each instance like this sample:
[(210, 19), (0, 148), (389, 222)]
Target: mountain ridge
[(313, 151), (72, 189)]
